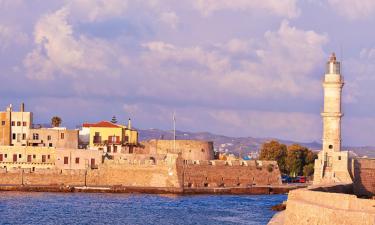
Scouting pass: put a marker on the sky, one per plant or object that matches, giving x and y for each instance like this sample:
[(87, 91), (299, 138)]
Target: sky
[(238, 68)]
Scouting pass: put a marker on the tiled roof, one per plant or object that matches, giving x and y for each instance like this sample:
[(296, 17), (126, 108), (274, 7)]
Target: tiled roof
[(101, 124)]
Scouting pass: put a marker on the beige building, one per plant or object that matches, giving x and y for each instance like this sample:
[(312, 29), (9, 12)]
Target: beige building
[(29, 157), (57, 137), (15, 126), (332, 163)]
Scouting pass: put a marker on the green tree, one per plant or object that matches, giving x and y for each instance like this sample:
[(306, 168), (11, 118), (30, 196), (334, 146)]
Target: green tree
[(274, 150), (56, 121), (296, 159), (308, 170)]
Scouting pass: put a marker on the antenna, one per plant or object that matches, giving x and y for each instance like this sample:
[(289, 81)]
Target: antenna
[(174, 131)]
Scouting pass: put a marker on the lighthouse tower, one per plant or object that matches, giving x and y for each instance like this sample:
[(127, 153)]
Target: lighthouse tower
[(332, 85), (332, 163)]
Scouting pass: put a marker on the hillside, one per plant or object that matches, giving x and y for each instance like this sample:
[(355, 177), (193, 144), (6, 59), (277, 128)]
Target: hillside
[(240, 145)]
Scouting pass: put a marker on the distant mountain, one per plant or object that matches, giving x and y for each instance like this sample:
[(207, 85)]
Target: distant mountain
[(240, 145)]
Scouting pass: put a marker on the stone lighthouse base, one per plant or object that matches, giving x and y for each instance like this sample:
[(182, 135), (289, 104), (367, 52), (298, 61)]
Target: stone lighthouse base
[(332, 167)]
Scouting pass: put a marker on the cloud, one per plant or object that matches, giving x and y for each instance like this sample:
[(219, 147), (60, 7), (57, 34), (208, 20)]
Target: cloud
[(285, 8), (280, 63), (97, 10), (354, 10), (170, 18), (11, 36), (58, 51)]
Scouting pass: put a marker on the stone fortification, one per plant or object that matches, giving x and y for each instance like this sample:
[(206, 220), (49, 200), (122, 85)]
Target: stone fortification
[(189, 149), (217, 173), (324, 208), (364, 177), (134, 173), (171, 171)]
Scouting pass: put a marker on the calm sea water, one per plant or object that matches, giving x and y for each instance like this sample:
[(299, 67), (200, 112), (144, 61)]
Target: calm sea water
[(84, 208)]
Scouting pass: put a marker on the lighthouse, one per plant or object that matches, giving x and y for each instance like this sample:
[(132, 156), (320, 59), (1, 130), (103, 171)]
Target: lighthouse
[(332, 86), (332, 163)]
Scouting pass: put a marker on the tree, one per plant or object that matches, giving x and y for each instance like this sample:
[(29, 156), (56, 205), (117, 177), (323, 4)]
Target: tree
[(114, 120), (296, 159), (274, 150), (56, 121)]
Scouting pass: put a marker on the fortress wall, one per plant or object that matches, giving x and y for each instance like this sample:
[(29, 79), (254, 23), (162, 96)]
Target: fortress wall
[(141, 173), (230, 173), (189, 149), (307, 207), (364, 177)]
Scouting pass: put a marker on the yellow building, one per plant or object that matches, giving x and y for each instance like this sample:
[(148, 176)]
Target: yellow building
[(110, 137)]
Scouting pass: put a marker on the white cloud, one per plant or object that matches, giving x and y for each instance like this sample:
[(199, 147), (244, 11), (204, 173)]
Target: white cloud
[(280, 63), (170, 18), (97, 10), (286, 8), (59, 51), (354, 10), (10, 36)]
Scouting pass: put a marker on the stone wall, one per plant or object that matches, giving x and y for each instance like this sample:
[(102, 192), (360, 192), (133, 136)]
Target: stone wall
[(315, 207), (230, 173), (189, 149), (364, 177), (162, 173)]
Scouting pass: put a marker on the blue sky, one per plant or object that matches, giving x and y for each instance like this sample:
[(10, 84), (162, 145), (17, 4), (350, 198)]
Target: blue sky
[(239, 67)]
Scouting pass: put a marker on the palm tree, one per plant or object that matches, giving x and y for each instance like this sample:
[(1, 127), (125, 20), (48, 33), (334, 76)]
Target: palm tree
[(56, 121)]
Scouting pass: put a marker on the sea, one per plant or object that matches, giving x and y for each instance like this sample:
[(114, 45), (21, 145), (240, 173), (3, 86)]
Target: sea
[(133, 209)]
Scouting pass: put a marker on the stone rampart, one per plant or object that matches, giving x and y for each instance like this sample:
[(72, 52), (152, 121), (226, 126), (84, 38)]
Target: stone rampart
[(236, 173), (171, 171), (315, 207), (364, 177), (189, 149)]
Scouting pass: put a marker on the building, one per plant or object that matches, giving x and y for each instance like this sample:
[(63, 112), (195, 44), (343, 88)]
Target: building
[(108, 136), (58, 137), (31, 157), (332, 163), (15, 126)]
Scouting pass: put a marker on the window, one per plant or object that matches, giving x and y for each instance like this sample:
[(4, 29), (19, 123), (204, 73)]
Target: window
[(23, 136), (24, 124), (49, 137), (66, 160), (339, 157), (14, 136), (28, 158), (114, 149), (34, 156), (19, 156), (108, 148), (5, 155), (14, 157), (1, 157), (77, 160), (330, 146), (3, 123), (18, 123), (48, 156), (43, 158), (13, 123), (62, 135), (35, 136), (50, 145), (92, 162)]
